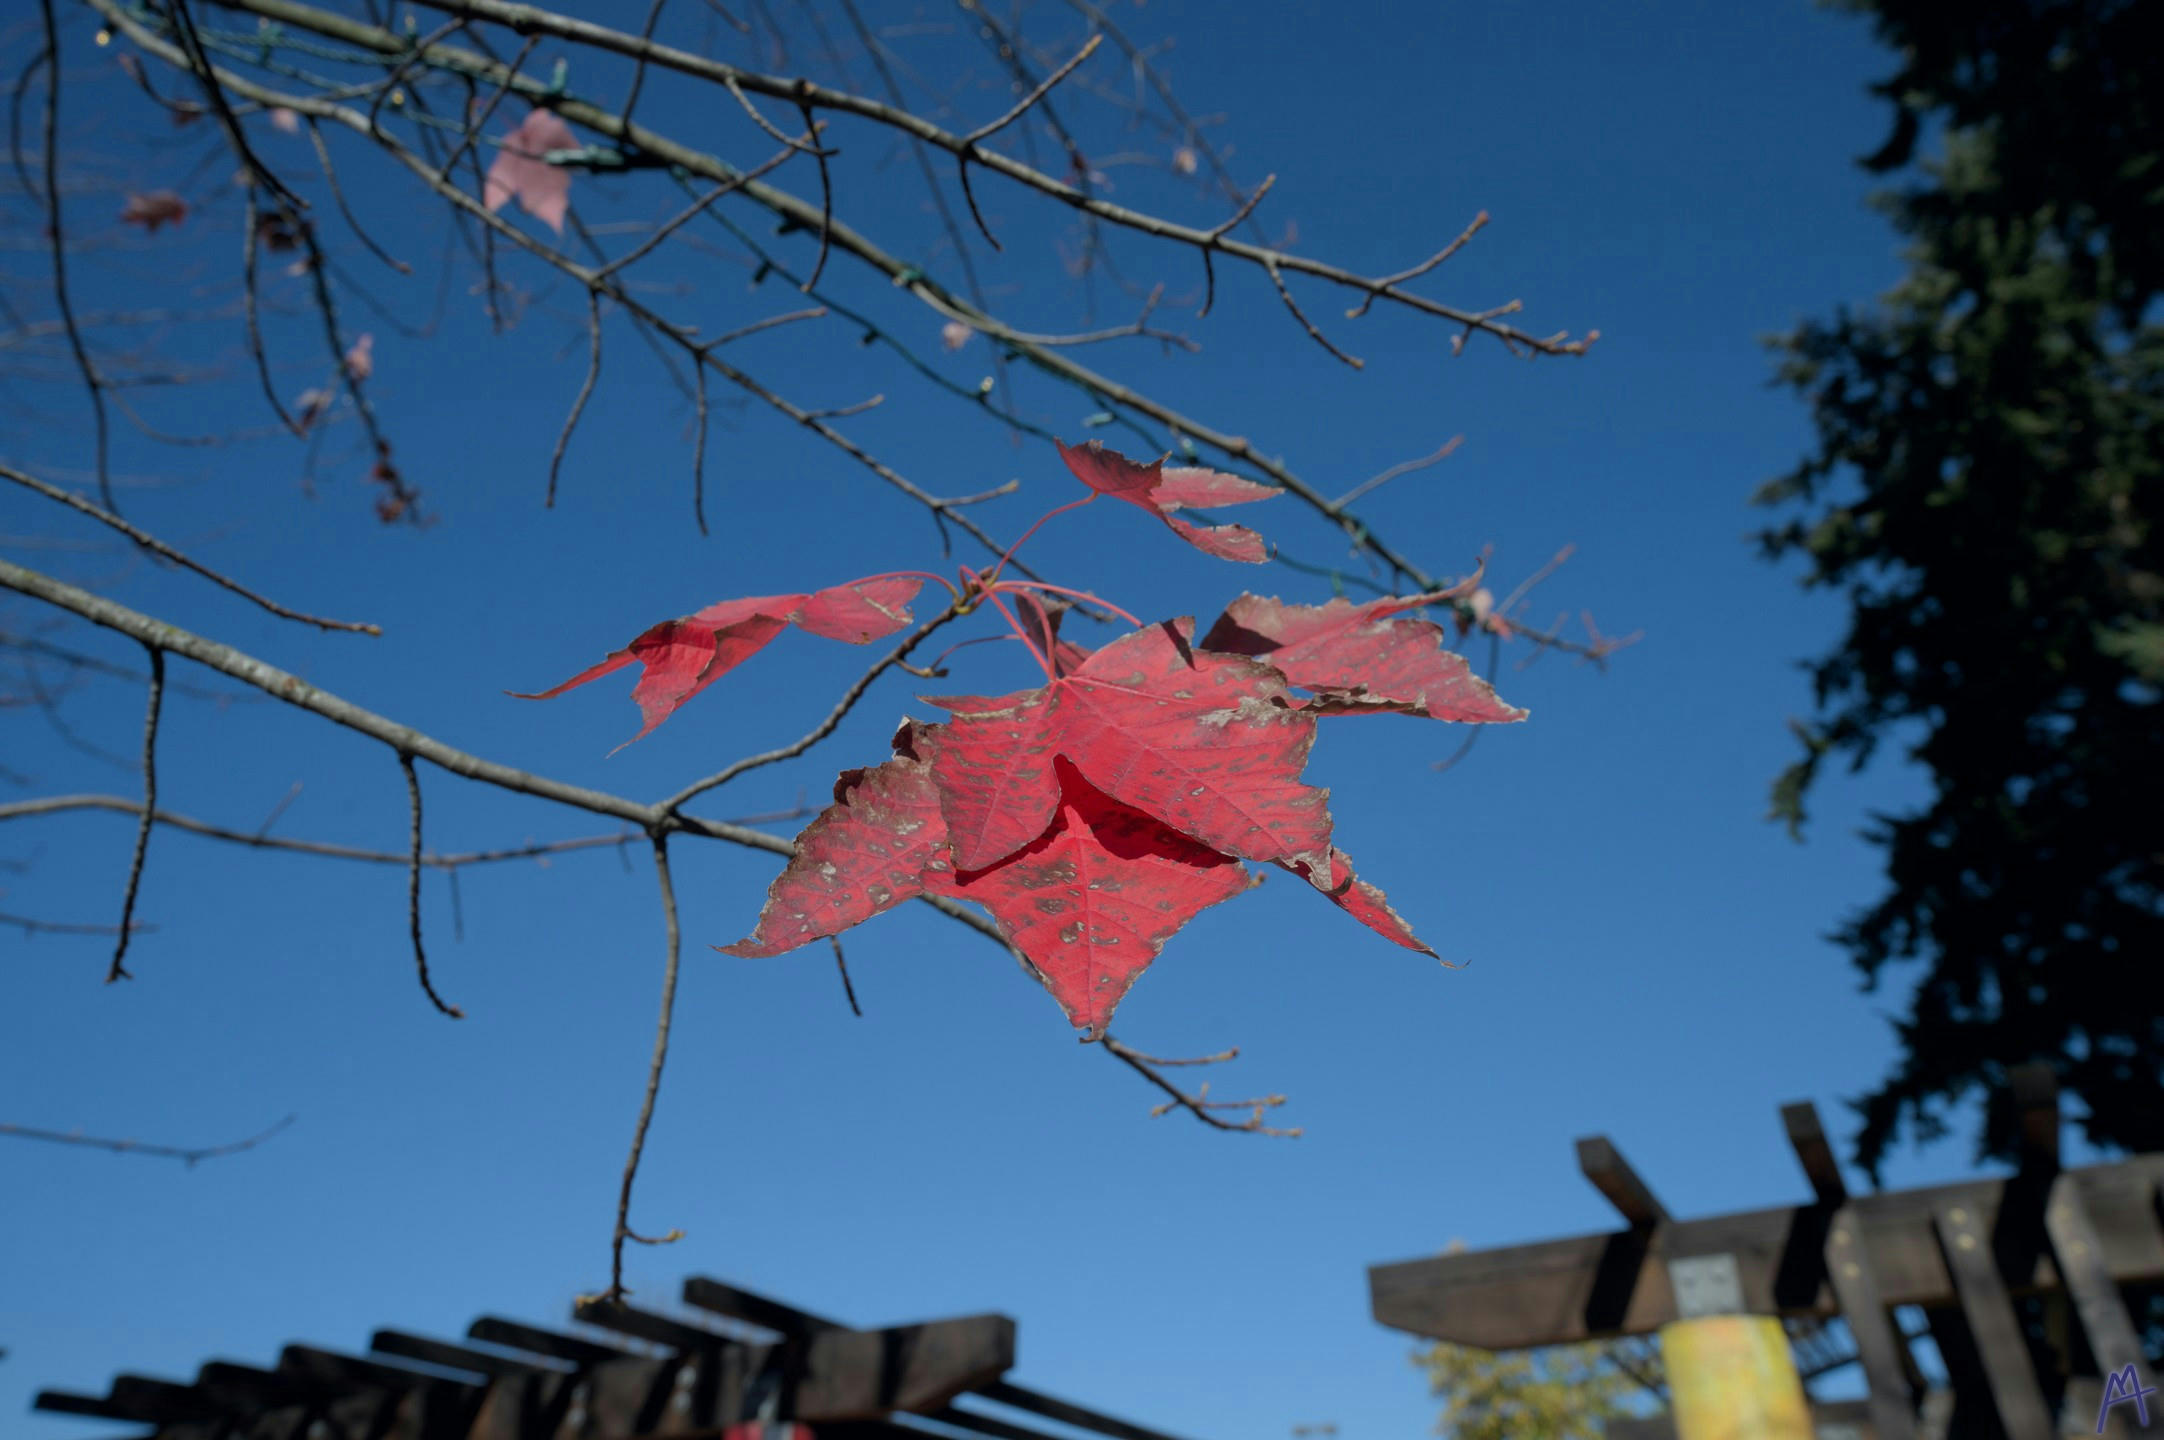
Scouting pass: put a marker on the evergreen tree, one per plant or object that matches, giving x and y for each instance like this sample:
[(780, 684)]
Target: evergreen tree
[(1986, 491)]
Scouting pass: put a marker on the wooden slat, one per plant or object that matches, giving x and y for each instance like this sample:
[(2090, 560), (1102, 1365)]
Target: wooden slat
[(2035, 1090), (2079, 1255), (69, 1402), (1807, 1137), (865, 1374), (1067, 1414), (646, 1325), (245, 1387), (787, 1320), (1993, 1326), (452, 1357), (514, 1335), (1878, 1348), (159, 1400), (1611, 1174), (712, 1295), (982, 1424), (1522, 1296), (328, 1370)]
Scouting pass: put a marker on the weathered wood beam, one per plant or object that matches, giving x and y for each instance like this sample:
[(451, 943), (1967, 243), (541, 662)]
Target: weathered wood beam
[(646, 1325), (1067, 1414), (1814, 1152), (2035, 1089), (1879, 1348), (328, 1371), (865, 1374), (514, 1335), (2079, 1254), (1993, 1327), (454, 1357), (1611, 1174), (1541, 1294), (712, 1295)]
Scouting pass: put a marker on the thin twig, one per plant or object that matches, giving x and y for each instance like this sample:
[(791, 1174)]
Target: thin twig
[(137, 1147), (638, 73), (1405, 467), (842, 964), (251, 236), (31, 926), (825, 727), (826, 202), (688, 214), (159, 547), (1199, 1104), (1384, 286), (119, 970), (578, 406), (413, 891), (673, 941), (809, 145), (450, 863), (478, 123), (1210, 242), (1022, 106), (1313, 332), (54, 228), (330, 176)]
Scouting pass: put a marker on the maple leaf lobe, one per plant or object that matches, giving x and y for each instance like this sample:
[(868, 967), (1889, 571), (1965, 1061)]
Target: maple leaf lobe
[(683, 657), (1162, 491), (1208, 744), (1092, 901), (1370, 658), (863, 855)]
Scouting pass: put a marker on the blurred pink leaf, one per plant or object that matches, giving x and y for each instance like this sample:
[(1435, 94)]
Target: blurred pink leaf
[(519, 173)]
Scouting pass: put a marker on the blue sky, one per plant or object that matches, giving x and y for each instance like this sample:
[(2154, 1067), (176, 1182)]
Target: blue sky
[(1646, 952)]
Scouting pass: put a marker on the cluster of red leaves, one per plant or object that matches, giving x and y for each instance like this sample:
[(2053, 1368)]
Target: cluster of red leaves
[(1098, 813)]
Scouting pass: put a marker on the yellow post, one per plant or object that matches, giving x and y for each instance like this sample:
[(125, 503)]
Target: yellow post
[(1730, 1377)]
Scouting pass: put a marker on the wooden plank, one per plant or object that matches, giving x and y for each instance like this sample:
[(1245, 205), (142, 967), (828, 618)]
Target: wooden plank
[(326, 1370), (2035, 1090), (1993, 1326), (1521, 1296), (864, 1374), (712, 1295), (1067, 1414), (647, 1325), (245, 1388), (2079, 1255), (452, 1357), (1878, 1348), (1814, 1152), (982, 1424), (1600, 1162), (97, 1407), (787, 1320), (159, 1400), (514, 1335)]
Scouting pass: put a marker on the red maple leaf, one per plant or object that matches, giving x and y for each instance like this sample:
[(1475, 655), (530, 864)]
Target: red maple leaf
[(683, 657), (1161, 491), (1040, 621), (1361, 659), (157, 207), (1211, 745), (1092, 900), (865, 854), (519, 173), (1364, 902)]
